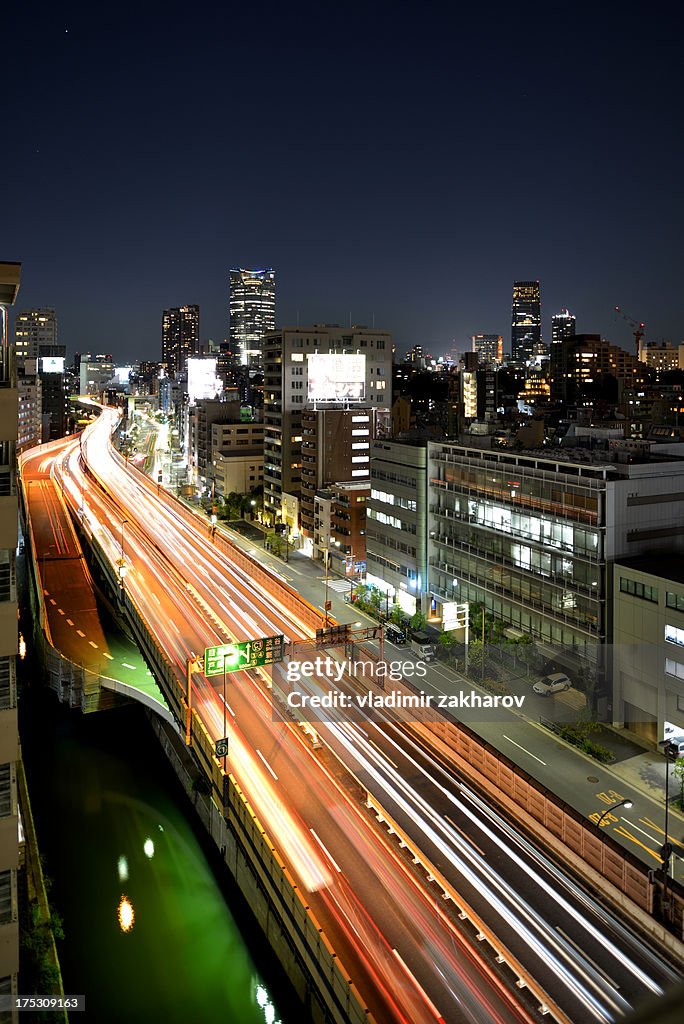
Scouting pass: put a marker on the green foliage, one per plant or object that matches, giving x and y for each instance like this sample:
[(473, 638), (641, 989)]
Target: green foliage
[(397, 615), (446, 639), (578, 734), (418, 621), (678, 771)]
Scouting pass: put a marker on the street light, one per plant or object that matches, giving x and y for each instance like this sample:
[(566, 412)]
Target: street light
[(326, 603), (122, 561), (671, 752), (623, 803)]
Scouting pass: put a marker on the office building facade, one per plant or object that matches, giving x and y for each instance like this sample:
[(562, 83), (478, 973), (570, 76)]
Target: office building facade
[(526, 332), (180, 337), (396, 522), (322, 368), (251, 313), (648, 646), (489, 348), (562, 332), (32, 329), (533, 537)]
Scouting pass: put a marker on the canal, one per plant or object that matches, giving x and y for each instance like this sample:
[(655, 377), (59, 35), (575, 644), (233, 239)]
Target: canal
[(154, 929)]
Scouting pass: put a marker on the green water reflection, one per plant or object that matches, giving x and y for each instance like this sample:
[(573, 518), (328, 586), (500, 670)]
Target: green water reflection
[(113, 825)]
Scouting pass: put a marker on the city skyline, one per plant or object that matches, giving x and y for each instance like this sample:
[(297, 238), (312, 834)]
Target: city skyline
[(399, 196)]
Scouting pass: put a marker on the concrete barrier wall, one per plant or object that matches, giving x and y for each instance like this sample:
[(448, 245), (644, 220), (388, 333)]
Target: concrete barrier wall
[(597, 857), (278, 904)]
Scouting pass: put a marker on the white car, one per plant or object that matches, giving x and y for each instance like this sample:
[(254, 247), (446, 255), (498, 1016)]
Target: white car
[(554, 683)]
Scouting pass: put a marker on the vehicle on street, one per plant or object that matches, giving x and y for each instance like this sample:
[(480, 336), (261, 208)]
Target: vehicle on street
[(395, 634), (556, 682), (421, 645)]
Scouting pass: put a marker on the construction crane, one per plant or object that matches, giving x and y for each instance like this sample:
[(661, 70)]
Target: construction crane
[(638, 328)]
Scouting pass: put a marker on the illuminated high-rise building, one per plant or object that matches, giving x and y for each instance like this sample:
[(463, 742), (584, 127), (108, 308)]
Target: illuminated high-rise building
[(180, 337), (562, 331), (489, 348), (526, 336), (251, 312), (32, 329)]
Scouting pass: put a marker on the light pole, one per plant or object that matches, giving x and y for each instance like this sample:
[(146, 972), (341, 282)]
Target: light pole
[(622, 803), (326, 603), (122, 562), (671, 751)]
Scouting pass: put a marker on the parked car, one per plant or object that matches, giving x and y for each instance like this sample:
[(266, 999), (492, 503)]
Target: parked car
[(675, 745), (395, 633), (556, 682)]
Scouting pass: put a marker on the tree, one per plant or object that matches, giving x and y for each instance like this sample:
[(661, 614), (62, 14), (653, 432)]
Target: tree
[(397, 615), (418, 621), (679, 774)]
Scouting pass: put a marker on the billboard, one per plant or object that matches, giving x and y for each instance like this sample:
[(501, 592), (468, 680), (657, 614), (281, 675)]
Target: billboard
[(202, 379), (52, 364), (336, 378)]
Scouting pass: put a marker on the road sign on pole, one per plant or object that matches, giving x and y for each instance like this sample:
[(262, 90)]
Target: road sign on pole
[(244, 655), (222, 747)]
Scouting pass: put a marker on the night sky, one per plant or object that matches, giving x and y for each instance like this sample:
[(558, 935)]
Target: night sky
[(405, 162)]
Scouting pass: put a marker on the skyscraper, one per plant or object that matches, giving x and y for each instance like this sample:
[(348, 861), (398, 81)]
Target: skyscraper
[(180, 337), (562, 330), (526, 339), (251, 312), (33, 328)]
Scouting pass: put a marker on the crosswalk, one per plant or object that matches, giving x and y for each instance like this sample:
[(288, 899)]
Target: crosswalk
[(339, 586)]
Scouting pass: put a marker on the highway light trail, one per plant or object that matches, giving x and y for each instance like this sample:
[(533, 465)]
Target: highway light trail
[(194, 596)]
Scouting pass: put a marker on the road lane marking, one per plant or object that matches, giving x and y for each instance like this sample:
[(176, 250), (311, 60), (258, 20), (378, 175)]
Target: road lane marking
[(524, 748), (108, 656), (584, 956), (126, 665), (80, 632), (267, 764), (61, 611), (632, 825), (69, 622), (464, 834), (627, 835), (92, 644), (52, 601), (652, 824), (383, 754), (326, 852)]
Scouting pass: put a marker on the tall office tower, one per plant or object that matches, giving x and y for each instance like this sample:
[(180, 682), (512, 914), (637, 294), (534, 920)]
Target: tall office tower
[(489, 348), (33, 328), (526, 337), (251, 313), (180, 337), (10, 767), (562, 330)]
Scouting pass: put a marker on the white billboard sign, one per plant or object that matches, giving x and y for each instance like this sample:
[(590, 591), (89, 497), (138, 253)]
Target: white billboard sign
[(336, 378), (202, 379)]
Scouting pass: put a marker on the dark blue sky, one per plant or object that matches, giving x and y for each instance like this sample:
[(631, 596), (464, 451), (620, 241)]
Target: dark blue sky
[(406, 161)]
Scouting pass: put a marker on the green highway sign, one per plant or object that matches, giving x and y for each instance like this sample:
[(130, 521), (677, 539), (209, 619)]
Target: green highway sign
[(244, 655)]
